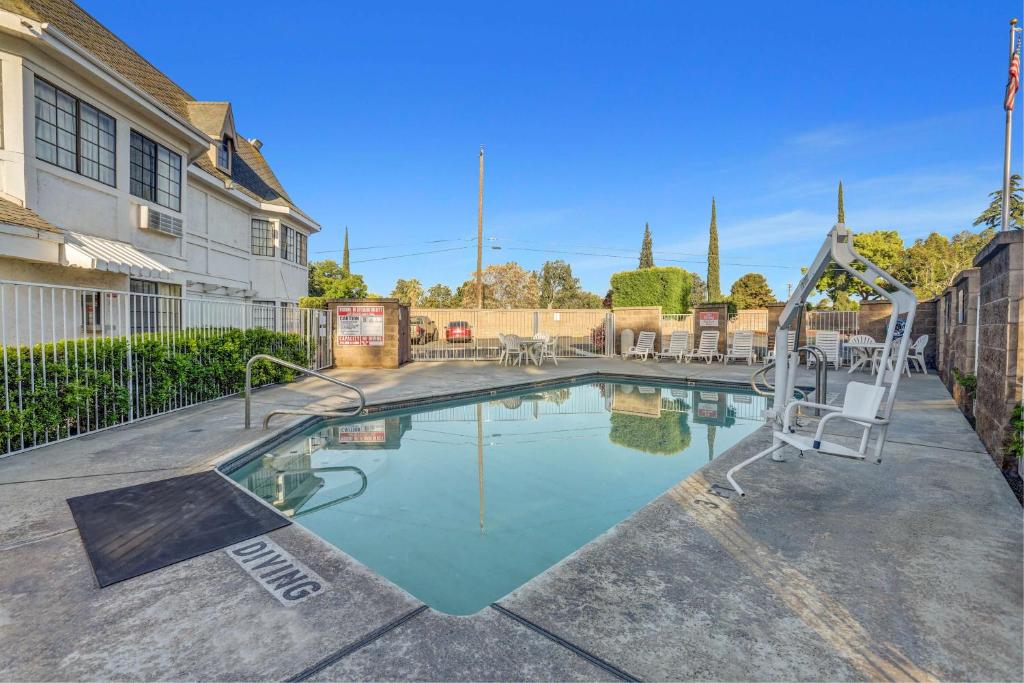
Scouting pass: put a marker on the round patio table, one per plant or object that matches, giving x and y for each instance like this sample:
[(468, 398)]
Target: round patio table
[(529, 347)]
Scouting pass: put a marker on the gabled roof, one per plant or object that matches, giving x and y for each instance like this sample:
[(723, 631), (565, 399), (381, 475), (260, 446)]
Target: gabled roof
[(213, 118), (251, 173)]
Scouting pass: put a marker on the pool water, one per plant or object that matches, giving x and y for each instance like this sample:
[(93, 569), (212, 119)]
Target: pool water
[(461, 503)]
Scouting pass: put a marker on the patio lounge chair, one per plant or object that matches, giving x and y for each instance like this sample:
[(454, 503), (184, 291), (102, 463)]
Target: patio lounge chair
[(644, 346), (708, 348), (828, 342), (678, 342), (742, 347), (770, 356), (916, 355)]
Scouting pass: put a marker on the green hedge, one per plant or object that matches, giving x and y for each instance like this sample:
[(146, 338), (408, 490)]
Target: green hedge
[(668, 434), (667, 287), (66, 388)]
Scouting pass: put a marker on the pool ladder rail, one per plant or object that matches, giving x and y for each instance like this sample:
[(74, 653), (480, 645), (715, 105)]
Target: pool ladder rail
[(820, 376), (293, 411)]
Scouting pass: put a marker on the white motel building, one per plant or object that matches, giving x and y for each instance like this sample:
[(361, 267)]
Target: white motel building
[(112, 177)]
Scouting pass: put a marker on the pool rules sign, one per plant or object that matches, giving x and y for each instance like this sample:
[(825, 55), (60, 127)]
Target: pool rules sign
[(360, 325)]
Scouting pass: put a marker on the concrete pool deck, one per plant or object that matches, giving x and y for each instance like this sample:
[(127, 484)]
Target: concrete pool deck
[(828, 569)]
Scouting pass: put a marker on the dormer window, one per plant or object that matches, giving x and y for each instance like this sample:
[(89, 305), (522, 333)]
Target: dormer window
[(224, 154)]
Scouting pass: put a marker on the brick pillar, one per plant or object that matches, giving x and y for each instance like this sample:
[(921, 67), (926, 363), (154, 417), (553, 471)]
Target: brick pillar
[(711, 317), (369, 333)]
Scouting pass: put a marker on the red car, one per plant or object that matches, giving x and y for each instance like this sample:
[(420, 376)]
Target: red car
[(458, 331)]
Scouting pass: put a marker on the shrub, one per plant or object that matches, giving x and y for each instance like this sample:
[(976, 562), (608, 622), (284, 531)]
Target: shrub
[(71, 387), (667, 287), (668, 434), (1015, 440)]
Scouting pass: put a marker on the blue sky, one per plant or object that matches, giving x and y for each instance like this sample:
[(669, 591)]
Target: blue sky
[(599, 117)]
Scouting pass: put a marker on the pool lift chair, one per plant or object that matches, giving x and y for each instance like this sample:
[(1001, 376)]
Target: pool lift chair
[(868, 406)]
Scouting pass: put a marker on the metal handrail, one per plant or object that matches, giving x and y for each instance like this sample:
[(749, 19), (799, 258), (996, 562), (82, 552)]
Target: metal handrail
[(820, 373), (297, 368), (762, 371)]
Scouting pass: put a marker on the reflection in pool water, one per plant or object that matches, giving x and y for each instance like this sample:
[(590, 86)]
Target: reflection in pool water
[(461, 503)]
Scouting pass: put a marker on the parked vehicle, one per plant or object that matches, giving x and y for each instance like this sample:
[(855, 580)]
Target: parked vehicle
[(422, 330), (458, 331)]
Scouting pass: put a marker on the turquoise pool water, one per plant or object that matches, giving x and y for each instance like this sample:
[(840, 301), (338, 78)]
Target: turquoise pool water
[(461, 503)]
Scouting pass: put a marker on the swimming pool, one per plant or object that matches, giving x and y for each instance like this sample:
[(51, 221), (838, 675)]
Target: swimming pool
[(460, 503)]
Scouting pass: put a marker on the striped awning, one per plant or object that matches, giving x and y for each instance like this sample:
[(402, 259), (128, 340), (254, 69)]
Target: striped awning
[(96, 253)]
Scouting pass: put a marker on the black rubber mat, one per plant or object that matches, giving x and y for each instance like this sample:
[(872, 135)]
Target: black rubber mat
[(139, 529)]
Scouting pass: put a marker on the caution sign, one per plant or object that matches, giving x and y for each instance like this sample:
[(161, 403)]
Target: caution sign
[(360, 325), (707, 318)]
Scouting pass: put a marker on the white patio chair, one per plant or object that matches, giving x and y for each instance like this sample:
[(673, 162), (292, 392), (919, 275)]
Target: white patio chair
[(770, 356), (678, 345), (916, 354), (876, 359), (547, 348), (644, 347), (828, 342), (512, 348), (742, 347), (708, 348), (860, 355)]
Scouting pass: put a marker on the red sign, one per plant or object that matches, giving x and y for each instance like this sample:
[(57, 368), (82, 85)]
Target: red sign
[(360, 325), (708, 318)]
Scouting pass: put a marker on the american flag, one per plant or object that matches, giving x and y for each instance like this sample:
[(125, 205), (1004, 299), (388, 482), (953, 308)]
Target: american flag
[(1014, 83)]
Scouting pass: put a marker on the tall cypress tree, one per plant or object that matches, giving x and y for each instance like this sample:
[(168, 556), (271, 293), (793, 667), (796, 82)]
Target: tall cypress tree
[(647, 249), (841, 215), (344, 254), (714, 281)]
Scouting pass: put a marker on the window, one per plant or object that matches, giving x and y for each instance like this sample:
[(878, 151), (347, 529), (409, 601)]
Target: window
[(264, 314), (156, 172), (293, 245), (961, 313), (224, 154), (262, 237), (154, 306), (74, 134), (92, 312)]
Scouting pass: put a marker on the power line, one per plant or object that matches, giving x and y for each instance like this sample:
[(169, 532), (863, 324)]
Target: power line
[(633, 258), (401, 244), (417, 253)]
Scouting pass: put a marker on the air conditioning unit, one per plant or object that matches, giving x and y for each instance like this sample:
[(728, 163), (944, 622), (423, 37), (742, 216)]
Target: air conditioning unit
[(158, 221)]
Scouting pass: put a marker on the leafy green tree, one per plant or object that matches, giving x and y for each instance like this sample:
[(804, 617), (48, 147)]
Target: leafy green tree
[(578, 299), (993, 215), (511, 285), (320, 273), (698, 289), (345, 264), (555, 278), (884, 248), (840, 211), (932, 262), (647, 249), (714, 284), (751, 291), (350, 286), (409, 292), (438, 296), (465, 295)]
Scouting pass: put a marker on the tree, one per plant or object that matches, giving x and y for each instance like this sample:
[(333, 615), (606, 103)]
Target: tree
[(345, 264), (698, 290), (511, 286), (578, 299), (714, 283), (646, 249), (932, 262), (993, 215), (321, 273), (751, 291), (553, 279), (841, 212), (409, 292), (884, 248), (438, 296)]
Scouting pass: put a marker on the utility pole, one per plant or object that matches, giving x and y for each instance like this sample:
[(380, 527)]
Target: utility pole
[(480, 236), (1008, 106)]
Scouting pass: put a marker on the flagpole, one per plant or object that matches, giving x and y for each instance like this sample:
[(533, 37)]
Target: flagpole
[(1005, 222)]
